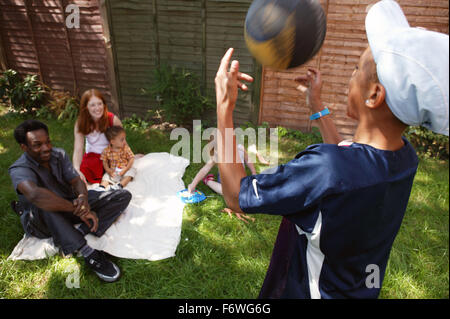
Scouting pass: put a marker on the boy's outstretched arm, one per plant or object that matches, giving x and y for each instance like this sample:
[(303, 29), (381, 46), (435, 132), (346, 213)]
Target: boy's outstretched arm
[(231, 171)]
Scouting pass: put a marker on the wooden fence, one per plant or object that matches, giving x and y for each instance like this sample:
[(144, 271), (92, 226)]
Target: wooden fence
[(282, 104), (35, 39), (121, 42), (187, 34)]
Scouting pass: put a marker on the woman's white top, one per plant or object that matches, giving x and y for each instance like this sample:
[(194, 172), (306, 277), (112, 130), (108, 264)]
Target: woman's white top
[(96, 142)]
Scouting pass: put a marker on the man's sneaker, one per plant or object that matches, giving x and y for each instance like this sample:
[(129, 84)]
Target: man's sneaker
[(17, 207), (116, 186), (105, 269), (99, 188)]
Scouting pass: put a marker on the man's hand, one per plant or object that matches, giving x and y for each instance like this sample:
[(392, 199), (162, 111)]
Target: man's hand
[(311, 84), (227, 83), (82, 177), (81, 205), (90, 216)]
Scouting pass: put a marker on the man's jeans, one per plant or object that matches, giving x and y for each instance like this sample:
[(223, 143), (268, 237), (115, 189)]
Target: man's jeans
[(108, 206)]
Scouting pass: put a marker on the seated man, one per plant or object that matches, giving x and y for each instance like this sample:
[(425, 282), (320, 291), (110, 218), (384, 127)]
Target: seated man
[(53, 198)]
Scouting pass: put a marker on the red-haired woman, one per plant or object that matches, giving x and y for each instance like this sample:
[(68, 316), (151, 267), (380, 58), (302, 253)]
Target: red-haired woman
[(93, 120)]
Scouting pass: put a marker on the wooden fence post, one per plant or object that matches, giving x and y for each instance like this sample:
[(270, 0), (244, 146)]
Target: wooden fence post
[(69, 47), (111, 58), (3, 60), (156, 32), (204, 66), (33, 38)]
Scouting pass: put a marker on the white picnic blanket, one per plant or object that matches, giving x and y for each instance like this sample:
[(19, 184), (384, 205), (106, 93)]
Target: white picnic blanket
[(150, 227)]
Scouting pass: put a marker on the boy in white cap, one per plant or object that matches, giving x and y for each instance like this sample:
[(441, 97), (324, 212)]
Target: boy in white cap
[(343, 203)]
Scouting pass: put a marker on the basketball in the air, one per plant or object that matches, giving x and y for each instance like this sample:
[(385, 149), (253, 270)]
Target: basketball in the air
[(284, 34)]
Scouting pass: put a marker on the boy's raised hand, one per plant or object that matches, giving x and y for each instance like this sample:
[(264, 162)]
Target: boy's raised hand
[(230, 213), (311, 84), (228, 82)]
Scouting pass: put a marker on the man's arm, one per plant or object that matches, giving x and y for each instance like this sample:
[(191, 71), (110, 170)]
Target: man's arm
[(81, 207), (79, 186), (81, 204), (227, 84), (43, 198)]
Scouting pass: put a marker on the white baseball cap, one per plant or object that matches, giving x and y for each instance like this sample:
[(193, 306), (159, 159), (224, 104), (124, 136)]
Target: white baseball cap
[(412, 65)]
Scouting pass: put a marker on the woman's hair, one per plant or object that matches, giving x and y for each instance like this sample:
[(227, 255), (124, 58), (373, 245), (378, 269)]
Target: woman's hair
[(85, 123), (113, 131)]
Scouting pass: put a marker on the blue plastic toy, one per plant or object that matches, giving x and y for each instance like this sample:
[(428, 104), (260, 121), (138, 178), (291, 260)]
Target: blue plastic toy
[(187, 198)]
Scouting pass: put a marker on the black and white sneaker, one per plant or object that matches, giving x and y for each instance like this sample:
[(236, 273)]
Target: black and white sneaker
[(17, 207), (105, 269), (116, 187)]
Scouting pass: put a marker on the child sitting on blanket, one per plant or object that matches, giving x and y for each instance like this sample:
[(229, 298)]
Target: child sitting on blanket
[(117, 159)]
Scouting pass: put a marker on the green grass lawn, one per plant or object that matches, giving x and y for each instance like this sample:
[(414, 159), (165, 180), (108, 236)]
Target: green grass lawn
[(219, 257)]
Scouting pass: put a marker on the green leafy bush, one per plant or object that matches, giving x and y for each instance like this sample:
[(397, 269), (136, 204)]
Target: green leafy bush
[(22, 94), (428, 143), (178, 93), (425, 142), (135, 123), (310, 138), (61, 106)]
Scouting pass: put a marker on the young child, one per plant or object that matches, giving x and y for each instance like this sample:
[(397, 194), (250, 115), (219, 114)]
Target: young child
[(117, 159), (208, 179)]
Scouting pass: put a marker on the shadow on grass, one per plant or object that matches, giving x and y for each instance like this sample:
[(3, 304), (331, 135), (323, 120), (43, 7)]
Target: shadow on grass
[(418, 264), (204, 267)]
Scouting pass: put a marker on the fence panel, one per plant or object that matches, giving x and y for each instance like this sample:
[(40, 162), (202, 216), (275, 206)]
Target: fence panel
[(346, 39), (37, 40)]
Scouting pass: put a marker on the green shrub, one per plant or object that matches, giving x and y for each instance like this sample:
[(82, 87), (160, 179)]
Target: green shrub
[(61, 106), (428, 143), (25, 94), (425, 142), (135, 123), (310, 138), (178, 93)]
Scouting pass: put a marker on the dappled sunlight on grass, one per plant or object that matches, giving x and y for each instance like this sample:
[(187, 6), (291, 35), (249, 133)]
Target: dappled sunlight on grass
[(30, 278), (3, 149)]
